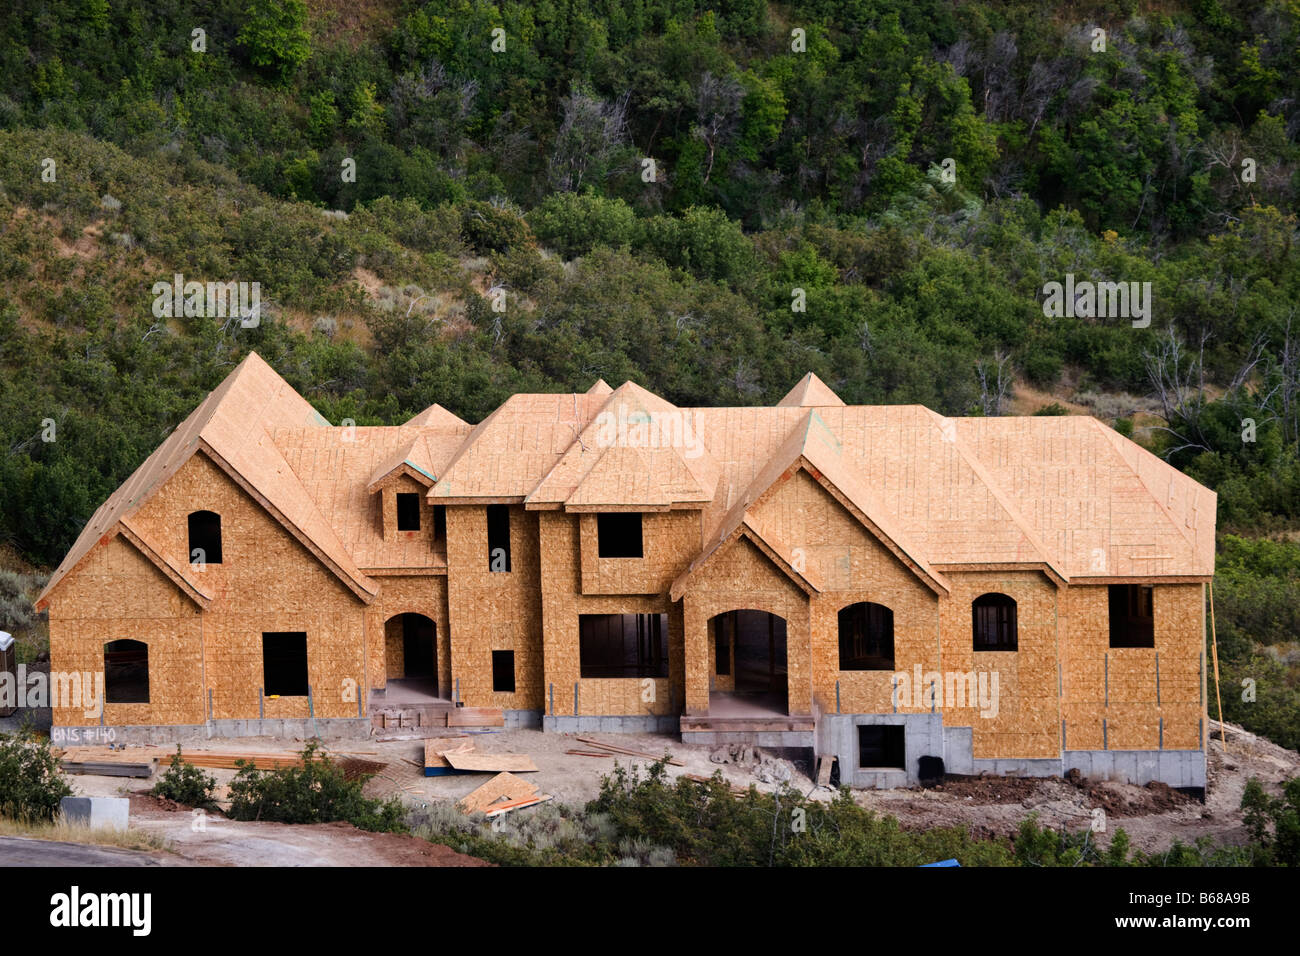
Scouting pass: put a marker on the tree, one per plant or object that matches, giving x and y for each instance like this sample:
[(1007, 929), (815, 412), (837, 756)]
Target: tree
[(276, 36)]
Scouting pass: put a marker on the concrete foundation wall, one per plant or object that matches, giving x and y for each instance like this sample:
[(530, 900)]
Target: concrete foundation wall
[(144, 734), (638, 724), (924, 735)]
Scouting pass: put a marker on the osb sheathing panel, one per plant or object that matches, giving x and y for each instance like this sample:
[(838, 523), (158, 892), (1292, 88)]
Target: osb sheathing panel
[(562, 603), (118, 594), (852, 565), (494, 610), (1119, 685), (670, 540), (1026, 716), (416, 546), (267, 581), (407, 594), (740, 577)]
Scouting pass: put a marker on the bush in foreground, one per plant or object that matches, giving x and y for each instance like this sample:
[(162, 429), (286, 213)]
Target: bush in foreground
[(316, 792), (185, 783), (30, 785)]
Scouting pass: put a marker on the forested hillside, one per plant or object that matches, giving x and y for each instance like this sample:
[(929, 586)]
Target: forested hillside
[(454, 201)]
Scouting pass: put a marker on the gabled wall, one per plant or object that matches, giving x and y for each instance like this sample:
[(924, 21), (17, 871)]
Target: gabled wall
[(267, 581), (851, 565), (118, 594)]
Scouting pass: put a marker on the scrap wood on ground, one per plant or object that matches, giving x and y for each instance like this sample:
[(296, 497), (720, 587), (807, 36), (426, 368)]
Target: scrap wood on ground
[(629, 752), (501, 794), (453, 755)]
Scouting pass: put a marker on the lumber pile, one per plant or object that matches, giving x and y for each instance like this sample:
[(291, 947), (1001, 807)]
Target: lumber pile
[(500, 795), (103, 762), (476, 717), (108, 762), (629, 752), (226, 759), (452, 755)]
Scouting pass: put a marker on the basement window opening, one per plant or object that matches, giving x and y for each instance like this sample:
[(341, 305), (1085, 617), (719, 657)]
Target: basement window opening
[(284, 664), (623, 645), (1132, 616), (503, 671), (408, 511), (881, 746), (205, 537), (498, 528), (126, 672), (994, 623), (618, 534)]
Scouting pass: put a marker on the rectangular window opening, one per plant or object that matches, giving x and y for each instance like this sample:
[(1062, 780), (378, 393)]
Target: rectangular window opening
[(1132, 616), (623, 645), (284, 664), (618, 534), (498, 528), (408, 511), (503, 671)]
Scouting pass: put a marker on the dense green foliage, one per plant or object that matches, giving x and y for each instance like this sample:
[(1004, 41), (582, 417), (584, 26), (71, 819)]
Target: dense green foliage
[(316, 792), (1274, 823), (651, 820), (30, 784), (1257, 620), (185, 783), (784, 161)]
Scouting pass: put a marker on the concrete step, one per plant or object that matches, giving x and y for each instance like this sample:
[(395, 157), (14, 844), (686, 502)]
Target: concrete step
[(776, 723)]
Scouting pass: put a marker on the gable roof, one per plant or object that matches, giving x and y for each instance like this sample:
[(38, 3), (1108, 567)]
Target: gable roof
[(637, 451), (812, 446), (231, 426)]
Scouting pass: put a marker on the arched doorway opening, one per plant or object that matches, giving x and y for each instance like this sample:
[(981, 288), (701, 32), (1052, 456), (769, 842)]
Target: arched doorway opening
[(750, 664), (411, 649)]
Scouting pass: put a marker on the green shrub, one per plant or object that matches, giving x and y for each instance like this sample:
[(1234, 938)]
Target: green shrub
[(16, 593), (574, 224), (275, 34), (316, 792), (185, 783), (1273, 823), (30, 785), (489, 228)]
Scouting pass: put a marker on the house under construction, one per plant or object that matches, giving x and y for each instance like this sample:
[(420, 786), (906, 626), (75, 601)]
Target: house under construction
[(879, 583)]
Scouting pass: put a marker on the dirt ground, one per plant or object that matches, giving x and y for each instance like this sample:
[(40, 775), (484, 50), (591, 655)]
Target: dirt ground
[(1154, 816)]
